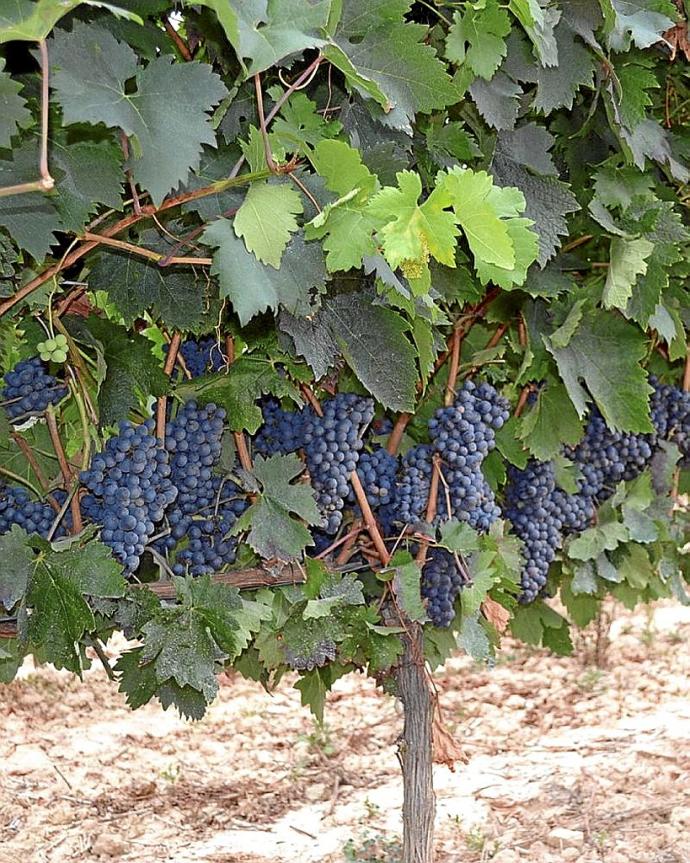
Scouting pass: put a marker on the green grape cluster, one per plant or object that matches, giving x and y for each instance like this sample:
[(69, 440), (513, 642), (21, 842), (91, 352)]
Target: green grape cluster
[(53, 350)]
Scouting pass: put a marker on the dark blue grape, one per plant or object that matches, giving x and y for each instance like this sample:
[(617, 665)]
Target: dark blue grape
[(331, 444), (17, 506), (130, 489), (201, 355), (29, 389), (281, 432), (441, 583)]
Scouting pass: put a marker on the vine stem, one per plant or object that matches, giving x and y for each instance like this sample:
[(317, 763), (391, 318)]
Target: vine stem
[(144, 252), (168, 367), (36, 468), (431, 506), (522, 401), (240, 440), (308, 394), (180, 44), (86, 246), (369, 520), (262, 124), (64, 468), (456, 347)]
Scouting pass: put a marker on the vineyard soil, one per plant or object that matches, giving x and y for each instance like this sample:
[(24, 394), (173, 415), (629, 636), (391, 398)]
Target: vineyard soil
[(566, 763)]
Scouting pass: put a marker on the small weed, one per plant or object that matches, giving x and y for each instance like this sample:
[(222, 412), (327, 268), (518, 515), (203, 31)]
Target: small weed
[(319, 740), (588, 682), (476, 840), (171, 773), (676, 637), (373, 849), (373, 810)]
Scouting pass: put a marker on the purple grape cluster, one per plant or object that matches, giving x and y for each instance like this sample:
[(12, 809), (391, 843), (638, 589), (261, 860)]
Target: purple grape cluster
[(281, 432), (130, 489), (29, 389), (17, 506), (332, 443), (441, 584)]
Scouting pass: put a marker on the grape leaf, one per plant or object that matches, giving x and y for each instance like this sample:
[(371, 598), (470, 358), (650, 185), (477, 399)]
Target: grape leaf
[(91, 566), (477, 38), (539, 22), (31, 219), (13, 111), (18, 565), (86, 174), (497, 100), (247, 379), (166, 135), (410, 231), (299, 127), (301, 271), (59, 616), (274, 532), (37, 439), (313, 691), (639, 22), (130, 368), (471, 194), (135, 284), (346, 224), (406, 585), (264, 32), (628, 260), (386, 59), (635, 80), (368, 336), (650, 140), (313, 340), (267, 218), (550, 422), (548, 199), (605, 353), (557, 85), (32, 20), (538, 623)]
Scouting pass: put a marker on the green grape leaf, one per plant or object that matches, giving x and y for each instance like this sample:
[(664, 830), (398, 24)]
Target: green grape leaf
[(539, 22), (86, 174), (605, 353), (301, 271), (267, 218), (345, 223), (368, 336), (30, 219), (90, 68), (639, 22), (274, 533), (299, 127), (635, 80), (59, 616), (132, 372), (264, 32), (313, 340), (551, 422), (32, 20), (406, 585), (537, 624), (13, 111), (386, 59), (91, 566), (18, 566), (497, 100), (558, 85), (410, 231), (548, 199), (238, 389), (136, 285), (477, 38), (477, 209), (313, 690), (628, 260)]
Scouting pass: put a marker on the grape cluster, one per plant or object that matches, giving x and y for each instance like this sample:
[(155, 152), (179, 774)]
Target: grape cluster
[(201, 355), (29, 389), (18, 507), (207, 506), (130, 486), (331, 444), (670, 409), (281, 432), (531, 508), (441, 583), (462, 436), (606, 457)]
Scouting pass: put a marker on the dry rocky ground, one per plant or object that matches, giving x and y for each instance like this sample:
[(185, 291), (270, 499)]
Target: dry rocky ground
[(566, 763)]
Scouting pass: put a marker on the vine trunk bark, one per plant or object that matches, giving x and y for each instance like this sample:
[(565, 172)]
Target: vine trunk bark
[(415, 752)]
